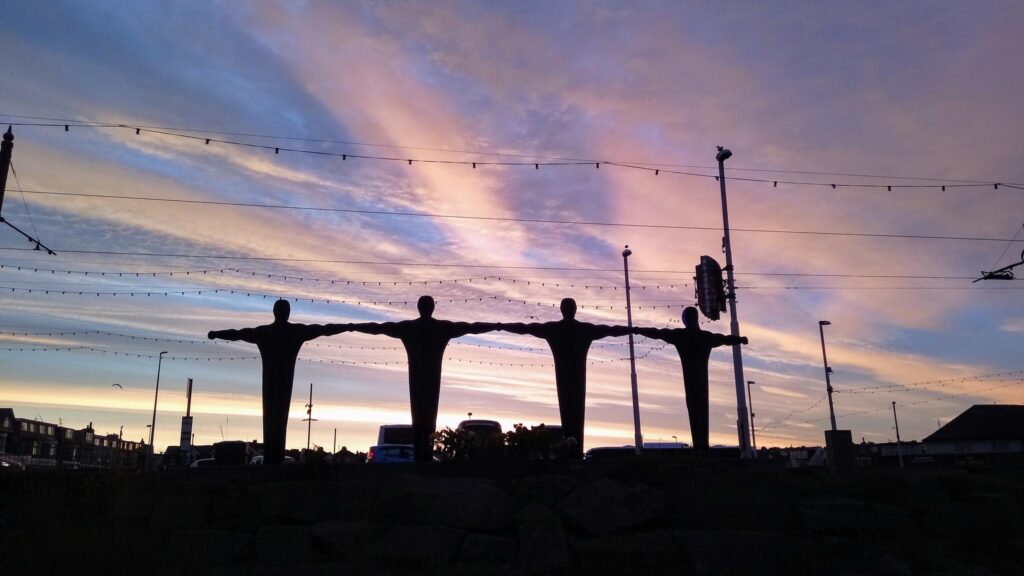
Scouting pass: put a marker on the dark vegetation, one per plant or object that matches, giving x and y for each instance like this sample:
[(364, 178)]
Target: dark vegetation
[(655, 516)]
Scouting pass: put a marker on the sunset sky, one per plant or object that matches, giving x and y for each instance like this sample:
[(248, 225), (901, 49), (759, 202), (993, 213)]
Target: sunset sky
[(846, 121)]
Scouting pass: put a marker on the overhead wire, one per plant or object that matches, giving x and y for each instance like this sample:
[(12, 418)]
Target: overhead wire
[(521, 220)]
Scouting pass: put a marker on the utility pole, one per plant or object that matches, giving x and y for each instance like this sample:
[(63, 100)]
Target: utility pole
[(753, 431), (156, 396), (6, 149), (638, 437), (734, 324), (309, 416), (899, 453), (828, 372)]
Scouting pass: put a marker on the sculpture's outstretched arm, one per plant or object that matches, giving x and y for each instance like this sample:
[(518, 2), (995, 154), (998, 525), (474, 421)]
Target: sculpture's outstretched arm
[(656, 333), (392, 329), (462, 328), (599, 331), (727, 340), (245, 334), (311, 331), (534, 329)]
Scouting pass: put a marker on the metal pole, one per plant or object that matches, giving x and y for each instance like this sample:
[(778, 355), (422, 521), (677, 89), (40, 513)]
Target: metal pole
[(335, 447), (734, 325), (899, 453), (753, 431), (309, 412), (6, 149), (638, 437), (188, 395), (156, 395), (828, 371)]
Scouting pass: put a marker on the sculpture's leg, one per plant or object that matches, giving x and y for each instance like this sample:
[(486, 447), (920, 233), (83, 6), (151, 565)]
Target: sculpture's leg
[(423, 400), (571, 407), (697, 409), (275, 421)]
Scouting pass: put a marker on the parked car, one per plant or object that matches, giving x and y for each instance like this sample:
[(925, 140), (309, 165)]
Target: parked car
[(258, 460), (390, 454), (610, 453), (204, 463), (395, 434)]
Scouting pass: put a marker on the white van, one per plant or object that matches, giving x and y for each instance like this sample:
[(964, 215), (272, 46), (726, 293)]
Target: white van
[(395, 434)]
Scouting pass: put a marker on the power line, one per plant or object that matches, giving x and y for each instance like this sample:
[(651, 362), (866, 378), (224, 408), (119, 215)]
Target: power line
[(517, 220)]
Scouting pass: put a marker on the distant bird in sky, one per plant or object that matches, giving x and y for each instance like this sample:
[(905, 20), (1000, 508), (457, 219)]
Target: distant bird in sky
[(118, 385)]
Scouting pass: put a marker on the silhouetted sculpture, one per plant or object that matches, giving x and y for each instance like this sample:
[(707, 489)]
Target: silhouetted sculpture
[(425, 339), (569, 340), (279, 345), (694, 346)]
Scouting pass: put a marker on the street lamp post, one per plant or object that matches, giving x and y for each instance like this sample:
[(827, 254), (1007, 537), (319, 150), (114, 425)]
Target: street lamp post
[(753, 431), (828, 372), (734, 324), (156, 395), (638, 437)]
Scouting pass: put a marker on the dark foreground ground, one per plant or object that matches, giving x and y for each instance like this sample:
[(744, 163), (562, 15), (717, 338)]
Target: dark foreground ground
[(529, 518)]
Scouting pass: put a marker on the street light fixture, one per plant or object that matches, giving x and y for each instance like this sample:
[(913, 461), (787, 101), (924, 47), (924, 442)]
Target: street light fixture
[(828, 372), (753, 431), (734, 324), (156, 395), (638, 437)]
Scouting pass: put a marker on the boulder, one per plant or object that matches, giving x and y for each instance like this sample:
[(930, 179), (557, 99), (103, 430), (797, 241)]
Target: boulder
[(839, 515), (312, 502), (337, 537), (423, 548), (284, 545), (464, 503), (542, 546), (487, 549), (207, 549), (645, 553), (606, 506)]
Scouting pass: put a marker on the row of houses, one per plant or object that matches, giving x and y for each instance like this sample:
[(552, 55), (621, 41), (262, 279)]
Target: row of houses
[(28, 443)]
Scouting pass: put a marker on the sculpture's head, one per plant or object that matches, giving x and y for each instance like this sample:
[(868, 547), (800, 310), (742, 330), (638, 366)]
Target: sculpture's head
[(568, 308), (282, 310), (426, 306), (690, 318)]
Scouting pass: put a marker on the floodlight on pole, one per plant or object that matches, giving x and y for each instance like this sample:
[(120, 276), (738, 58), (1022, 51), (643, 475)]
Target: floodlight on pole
[(828, 372), (638, 437), (156, 395), (734, 324)]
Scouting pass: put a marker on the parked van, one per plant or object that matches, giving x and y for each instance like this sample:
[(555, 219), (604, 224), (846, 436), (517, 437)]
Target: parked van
[(482, 428), (395, 434)]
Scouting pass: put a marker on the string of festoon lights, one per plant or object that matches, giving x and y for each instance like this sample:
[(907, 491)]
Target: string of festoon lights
[(382, 302), (335, 281), (314, 344), (208, 137), (310, 360), (933, 384), (886, 408), (927, 384)]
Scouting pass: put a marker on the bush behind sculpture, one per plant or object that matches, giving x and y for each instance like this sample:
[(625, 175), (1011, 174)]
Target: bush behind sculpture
[(520, 443)]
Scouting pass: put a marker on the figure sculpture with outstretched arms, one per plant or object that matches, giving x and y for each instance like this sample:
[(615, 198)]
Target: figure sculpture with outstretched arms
[(569, 340), (694, 346), (425, 339), (279, 345)]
